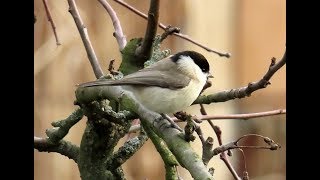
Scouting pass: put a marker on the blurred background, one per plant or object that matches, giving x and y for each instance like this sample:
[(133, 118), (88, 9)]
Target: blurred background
[(252, 31)]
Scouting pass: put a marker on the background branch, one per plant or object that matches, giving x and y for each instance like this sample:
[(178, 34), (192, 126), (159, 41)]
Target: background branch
[(183, 36), (118, 34), (236, 116), (199, 118), (145, 49), (65, 148), (243, 91), (45, 3), (85, 39)]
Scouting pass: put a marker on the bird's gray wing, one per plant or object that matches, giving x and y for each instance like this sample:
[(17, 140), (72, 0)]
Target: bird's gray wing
[(147, 77)]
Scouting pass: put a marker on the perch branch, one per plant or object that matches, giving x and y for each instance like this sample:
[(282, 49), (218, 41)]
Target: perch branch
[(168, 158), (85, 39), (45, 3), (183, 36), (118, 34), (243, 91), (63, 147), (173, 138), (145, 49)]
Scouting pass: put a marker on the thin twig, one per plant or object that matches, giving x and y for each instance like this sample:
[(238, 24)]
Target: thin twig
[(206, 150), (183, 36), (85, 39), (243, 91), (51, 21), (248, 116), (237, 116), (118, 34), (65, 148), (145, 49), (169, 31)]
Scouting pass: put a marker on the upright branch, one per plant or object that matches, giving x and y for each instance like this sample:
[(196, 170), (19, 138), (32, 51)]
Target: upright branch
[(178, 34), (85, 39), (243, 91), (118, 34), (45, 3), (144, 51)]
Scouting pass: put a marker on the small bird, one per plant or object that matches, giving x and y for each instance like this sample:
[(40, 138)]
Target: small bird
[(167, 86)]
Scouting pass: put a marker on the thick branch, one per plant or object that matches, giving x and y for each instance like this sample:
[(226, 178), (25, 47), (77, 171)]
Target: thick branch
[(145, 49), (127, 150), (168, 158), (243, 91), (65, 148), (118, 34), (175, 141), (51, 21), (85, 39), (183, 36)]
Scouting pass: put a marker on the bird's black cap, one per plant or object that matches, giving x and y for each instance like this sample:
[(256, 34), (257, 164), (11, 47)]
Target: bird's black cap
[(198, 58)]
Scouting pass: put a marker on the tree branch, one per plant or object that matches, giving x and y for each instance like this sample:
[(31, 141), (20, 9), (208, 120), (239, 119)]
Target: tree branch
[(51, 21), (145, 49), (61, 128), (236, 116), (168, 158), (65, 148), (243, 91), (85, 39), (118, 34), (176, 143), (169, 31), (183, 36), (200, 118), (127, 150)]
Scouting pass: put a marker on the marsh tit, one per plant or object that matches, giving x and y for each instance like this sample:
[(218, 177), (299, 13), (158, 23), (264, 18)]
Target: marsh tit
[(167, 86)]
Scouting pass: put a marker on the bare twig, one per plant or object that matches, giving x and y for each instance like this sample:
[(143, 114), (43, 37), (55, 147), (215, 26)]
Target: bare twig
[(51, 21), (169, 31), (243, 91), (199, 118), (225, 159), (145, 49), (234, 144), (63, 147), (183, 36), (118, 34), (85, 39), (237, 116)]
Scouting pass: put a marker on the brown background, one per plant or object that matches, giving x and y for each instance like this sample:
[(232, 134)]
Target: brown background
[(252, 31)]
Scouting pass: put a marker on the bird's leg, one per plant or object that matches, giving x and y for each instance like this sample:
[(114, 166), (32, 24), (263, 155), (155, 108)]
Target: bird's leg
[(165, 116)]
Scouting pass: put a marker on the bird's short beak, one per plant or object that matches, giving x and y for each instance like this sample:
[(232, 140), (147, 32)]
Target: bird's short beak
[(209, 75)]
